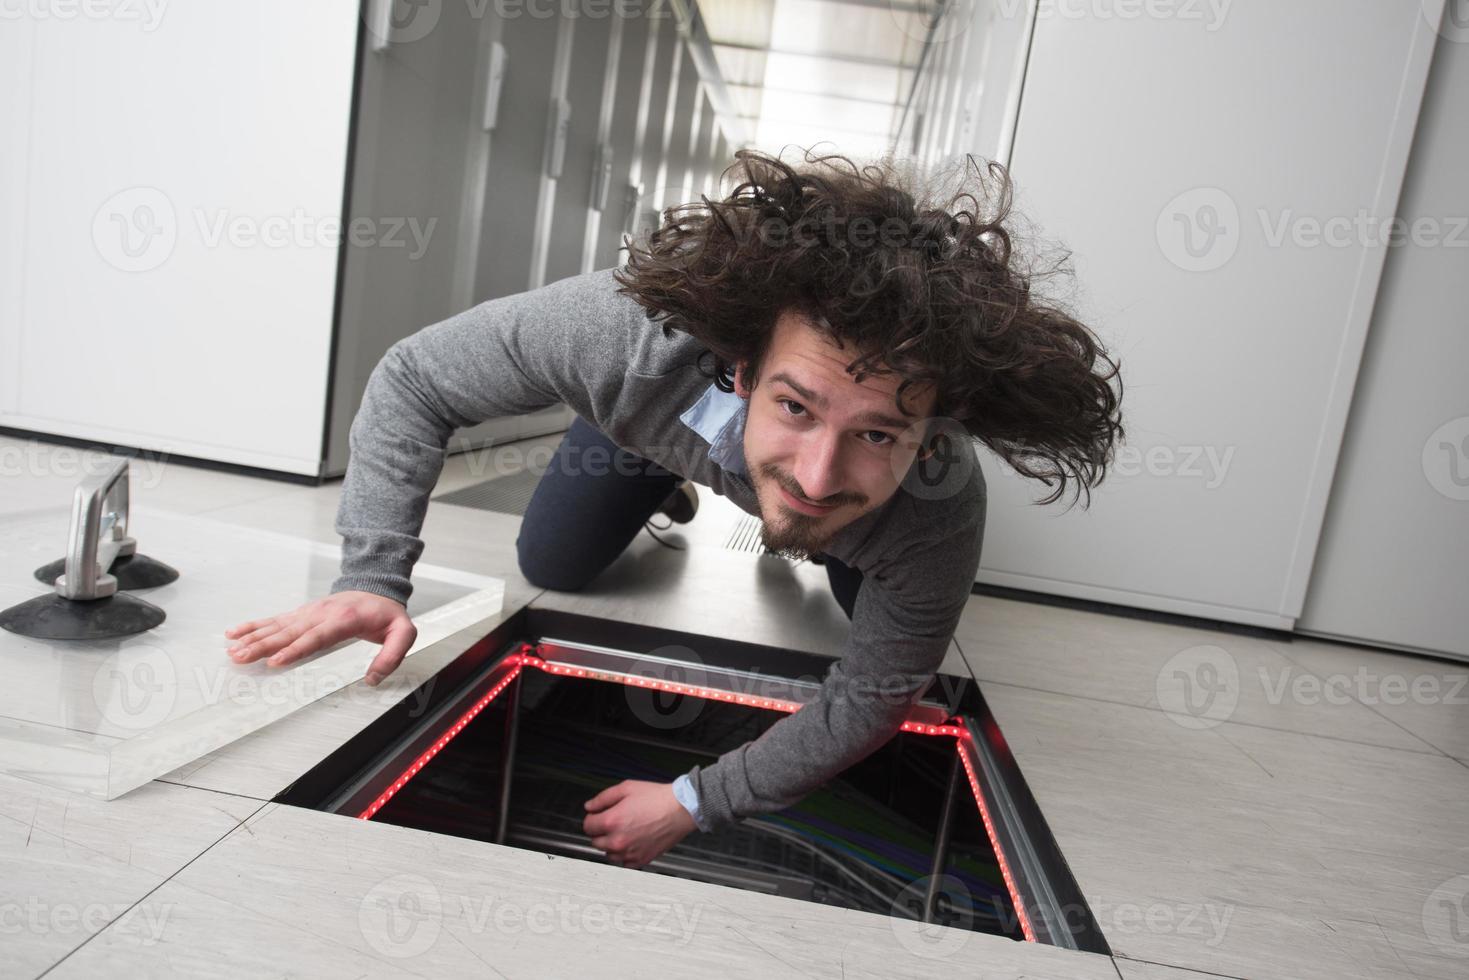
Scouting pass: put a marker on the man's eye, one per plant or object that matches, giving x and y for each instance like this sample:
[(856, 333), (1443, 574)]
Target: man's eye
[(885, 438), (787, 402)]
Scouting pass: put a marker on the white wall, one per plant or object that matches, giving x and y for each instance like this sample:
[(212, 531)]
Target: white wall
[(164, 339)]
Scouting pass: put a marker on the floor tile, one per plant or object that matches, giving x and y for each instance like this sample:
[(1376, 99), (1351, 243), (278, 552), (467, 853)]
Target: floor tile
[(69, 865), (1244, 850), (1209, 675), (386, 901), (1422, 695)]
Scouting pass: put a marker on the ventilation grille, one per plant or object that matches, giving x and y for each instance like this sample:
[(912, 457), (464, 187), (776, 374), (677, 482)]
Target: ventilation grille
[(745, 536), (509, 494)]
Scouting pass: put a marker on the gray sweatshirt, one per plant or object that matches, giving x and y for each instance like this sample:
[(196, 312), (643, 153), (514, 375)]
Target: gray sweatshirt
[(579, 342)]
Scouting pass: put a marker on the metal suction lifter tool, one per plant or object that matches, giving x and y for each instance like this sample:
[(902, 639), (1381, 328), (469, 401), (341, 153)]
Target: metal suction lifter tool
[(86, 603)]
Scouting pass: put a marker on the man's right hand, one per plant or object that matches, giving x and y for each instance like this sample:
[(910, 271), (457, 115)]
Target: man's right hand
[(286, 638)]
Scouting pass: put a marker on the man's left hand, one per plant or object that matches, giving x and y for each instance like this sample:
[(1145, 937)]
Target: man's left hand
[(635, 821)]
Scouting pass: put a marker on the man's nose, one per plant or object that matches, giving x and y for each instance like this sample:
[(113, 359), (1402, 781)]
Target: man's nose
[(818, 468)]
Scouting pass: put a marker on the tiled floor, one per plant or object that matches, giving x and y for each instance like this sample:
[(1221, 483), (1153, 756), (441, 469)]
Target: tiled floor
[(1309, 822)]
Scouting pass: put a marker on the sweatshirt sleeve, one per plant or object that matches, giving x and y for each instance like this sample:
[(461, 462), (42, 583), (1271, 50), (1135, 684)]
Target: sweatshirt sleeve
[(564, 342), (903, 620)]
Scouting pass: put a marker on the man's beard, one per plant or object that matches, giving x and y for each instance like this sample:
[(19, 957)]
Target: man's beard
[(792, 534), (796, 537)]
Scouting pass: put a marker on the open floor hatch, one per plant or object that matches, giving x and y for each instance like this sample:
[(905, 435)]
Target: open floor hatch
[(507, 743)]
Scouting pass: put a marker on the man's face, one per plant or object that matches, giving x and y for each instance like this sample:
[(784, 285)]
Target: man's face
[(814, 436)]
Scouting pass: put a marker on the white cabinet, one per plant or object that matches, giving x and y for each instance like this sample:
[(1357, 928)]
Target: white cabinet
[(169, 191), (1209, 176), (216, 218), (1393, 563)]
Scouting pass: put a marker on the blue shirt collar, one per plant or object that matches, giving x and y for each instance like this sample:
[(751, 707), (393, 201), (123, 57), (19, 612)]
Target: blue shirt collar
[(719, 418)]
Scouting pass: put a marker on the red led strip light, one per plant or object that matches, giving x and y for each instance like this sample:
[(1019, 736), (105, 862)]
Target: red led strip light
[(434, 749), (989, 829), (522, 659)]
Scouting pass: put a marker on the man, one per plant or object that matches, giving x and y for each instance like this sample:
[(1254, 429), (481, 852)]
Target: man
[(859, 343)]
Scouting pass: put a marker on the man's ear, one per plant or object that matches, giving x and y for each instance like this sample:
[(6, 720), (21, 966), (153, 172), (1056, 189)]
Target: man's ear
[(741, 388)]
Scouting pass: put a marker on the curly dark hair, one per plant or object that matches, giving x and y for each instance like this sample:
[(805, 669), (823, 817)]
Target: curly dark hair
[(932, 293)]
